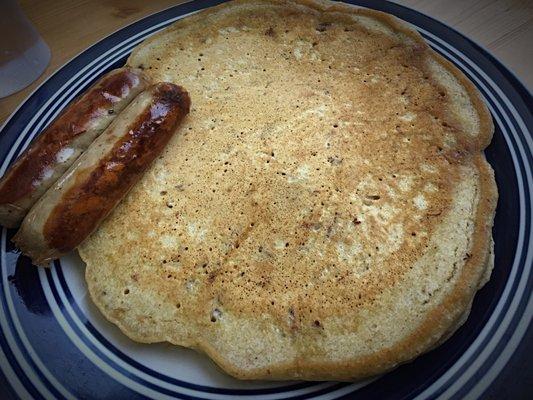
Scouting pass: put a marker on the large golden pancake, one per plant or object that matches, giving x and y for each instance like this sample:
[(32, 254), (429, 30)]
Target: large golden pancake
[(325, 211)]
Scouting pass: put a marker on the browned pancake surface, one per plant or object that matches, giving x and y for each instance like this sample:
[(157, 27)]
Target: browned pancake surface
[(325, 210)]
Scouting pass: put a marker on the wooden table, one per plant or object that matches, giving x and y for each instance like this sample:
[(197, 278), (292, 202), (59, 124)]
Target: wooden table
[(504, 27)]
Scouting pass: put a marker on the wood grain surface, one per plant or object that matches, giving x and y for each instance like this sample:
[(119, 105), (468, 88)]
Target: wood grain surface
[(504, 27)]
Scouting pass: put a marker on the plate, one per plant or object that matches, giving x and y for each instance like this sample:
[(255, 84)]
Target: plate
[(55, 344)]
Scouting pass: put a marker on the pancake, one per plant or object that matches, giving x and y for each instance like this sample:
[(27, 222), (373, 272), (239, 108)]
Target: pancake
[(325, 210)]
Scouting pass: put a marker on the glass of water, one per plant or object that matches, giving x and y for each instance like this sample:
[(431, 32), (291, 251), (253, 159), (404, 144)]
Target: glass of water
[(23, 53)]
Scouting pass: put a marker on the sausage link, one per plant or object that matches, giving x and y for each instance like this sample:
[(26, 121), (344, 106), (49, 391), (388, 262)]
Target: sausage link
[(62, 142), (77, 203)]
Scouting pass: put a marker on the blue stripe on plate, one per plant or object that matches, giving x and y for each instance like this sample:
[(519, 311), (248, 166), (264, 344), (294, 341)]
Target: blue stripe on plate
[(26, 357), (46, 336), (124, 391), (16, 368)]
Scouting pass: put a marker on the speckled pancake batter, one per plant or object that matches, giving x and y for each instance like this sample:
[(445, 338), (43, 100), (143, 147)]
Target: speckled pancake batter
[(325, 210)]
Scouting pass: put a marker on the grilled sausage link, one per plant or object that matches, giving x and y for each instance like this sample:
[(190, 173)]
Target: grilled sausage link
[(62, 142), (77, 203)]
